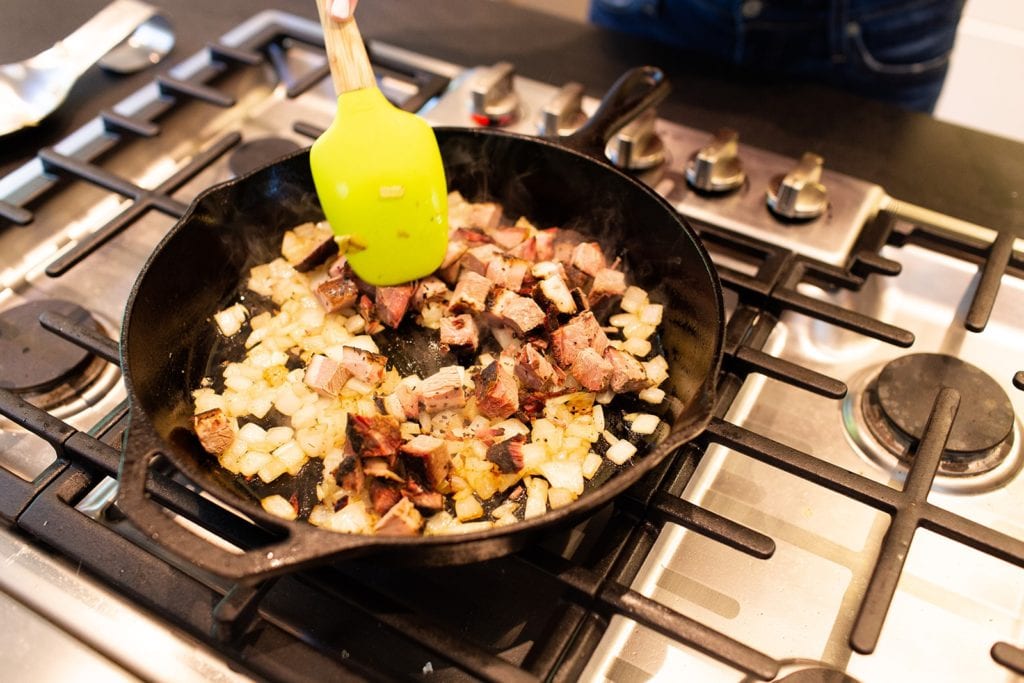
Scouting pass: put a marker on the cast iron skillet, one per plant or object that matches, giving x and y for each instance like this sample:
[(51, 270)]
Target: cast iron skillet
[(168, 337)]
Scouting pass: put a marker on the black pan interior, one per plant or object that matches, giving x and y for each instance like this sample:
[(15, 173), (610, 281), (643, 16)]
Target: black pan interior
[(168, 338)]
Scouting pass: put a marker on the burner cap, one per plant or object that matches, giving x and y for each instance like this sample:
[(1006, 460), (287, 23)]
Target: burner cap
[(817, 675), (257, 153), (907, 387), (34, 359)]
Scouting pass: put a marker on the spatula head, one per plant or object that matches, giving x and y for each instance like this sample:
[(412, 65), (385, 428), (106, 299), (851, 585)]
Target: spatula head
[(379, 176)]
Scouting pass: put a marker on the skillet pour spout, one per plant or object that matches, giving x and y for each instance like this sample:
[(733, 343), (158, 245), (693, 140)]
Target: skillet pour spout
[(168, 338)]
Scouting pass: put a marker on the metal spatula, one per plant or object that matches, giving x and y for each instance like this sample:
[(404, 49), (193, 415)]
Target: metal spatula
[(378, 171), (32, 89)]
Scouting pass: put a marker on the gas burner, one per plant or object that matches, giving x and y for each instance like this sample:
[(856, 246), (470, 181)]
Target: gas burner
[(887, 410), (259, 152), (809, 671), (39, 366)]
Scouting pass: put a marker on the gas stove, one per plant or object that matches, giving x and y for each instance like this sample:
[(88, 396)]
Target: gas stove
[(852, 512)]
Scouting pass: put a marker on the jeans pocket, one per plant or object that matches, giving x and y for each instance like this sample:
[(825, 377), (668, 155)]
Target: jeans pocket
[(625, 7), (911, 39)]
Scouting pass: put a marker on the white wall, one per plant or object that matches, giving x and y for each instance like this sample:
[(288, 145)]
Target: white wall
[(985, 86)]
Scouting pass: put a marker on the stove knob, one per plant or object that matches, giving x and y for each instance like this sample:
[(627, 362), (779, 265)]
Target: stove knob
[(799, 194), (564, 113), (637, 147), (716, 167), (493, 99)]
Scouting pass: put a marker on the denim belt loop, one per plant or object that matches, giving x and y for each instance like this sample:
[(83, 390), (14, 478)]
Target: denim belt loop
[(838, 21), (740, 19)]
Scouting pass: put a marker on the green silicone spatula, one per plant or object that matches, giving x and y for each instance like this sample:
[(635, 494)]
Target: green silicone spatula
[(378, 171)]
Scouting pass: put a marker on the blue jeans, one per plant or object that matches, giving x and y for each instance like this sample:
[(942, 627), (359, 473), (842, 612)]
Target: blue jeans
[(892, 50)]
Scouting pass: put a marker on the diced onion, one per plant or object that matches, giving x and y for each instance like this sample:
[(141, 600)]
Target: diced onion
[(620, 451), (536, 498), (230, 320), (278, 506), (644, 423), (591, 464), (652, 395), (468, 508), (633, 299)]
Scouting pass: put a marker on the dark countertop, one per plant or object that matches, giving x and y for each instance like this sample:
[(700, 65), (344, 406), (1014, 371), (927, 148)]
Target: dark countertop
[(965, 173)]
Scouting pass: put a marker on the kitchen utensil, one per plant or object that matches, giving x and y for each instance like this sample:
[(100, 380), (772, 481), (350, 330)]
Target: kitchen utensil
[(168, 340), (377, 171), (32, 89), (145, 47)]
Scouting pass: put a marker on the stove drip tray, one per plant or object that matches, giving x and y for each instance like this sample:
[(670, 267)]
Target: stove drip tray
[(39, 366), (887, 410)]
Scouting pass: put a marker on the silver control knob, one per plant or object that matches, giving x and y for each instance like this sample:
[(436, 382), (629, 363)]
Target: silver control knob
[(716, 167), (564, 113), (637, 147), (799, 194), (493, 99)]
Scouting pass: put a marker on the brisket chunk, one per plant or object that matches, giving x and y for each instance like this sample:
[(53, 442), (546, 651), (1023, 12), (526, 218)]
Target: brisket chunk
[(497, 393), (214, 430)]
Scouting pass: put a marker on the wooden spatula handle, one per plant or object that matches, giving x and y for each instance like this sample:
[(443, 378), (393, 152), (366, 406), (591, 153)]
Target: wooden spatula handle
[(346, 53)]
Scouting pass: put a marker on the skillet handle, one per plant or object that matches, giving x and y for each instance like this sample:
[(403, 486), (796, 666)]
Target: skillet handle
[(289, 553), (635, 91)]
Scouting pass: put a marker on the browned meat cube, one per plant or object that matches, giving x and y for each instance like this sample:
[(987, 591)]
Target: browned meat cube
[(478, 258), (520, 313), (308, 245), (474, 215), (556, 293), (565, 243), (375, 436), (628, 373), (533, 368), (403, 519), (508, 238), (591, 370), (325, 376), (507, 272), (336, 294), (608, 284), (460, 331), (381, 469), (526, 250), (431, 454), (485, 215), (431, 501), (544, 242), (349, 473), (214, 430), (392, 303), (429, 289), (443, 390), (508, 454), (409, 398), (497, 393), (339, 268), (589, 258), (363, 365), (456, 248), (369, 313), (473, 237), (470, 294), (580, 333), (580, 299), (384, 494)]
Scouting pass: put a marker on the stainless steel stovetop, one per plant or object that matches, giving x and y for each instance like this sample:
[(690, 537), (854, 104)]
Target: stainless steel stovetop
[(800, 606)]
